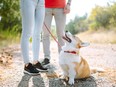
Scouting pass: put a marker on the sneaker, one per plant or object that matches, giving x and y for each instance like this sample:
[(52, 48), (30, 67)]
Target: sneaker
[(39, 67), (31, 70), (46, 62)]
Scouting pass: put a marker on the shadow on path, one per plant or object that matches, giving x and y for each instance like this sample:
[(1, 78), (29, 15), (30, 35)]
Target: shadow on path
[(37, 81), (51, 79), (43, 81)]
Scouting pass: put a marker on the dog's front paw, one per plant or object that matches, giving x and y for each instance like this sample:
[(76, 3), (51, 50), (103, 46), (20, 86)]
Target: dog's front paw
[(71, 81)]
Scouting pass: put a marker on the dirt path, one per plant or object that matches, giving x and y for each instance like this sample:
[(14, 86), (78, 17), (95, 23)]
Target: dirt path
[(97, 55)]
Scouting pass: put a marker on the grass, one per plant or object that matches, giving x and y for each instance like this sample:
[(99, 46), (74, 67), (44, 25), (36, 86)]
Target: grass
[(7, 38), (101, 36)]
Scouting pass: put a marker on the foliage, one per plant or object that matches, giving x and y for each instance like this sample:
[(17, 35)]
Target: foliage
[(10, 15), (70, 27), (79, 24), (112, 11), (100, 16), (93, 26), (103, 17)]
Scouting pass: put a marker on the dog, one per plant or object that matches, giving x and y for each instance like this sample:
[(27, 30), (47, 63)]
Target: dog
[(72, 64)]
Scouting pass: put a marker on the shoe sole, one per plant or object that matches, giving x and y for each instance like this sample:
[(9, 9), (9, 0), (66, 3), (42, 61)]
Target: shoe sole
[(33, 74), (42, 70), (46, 65)]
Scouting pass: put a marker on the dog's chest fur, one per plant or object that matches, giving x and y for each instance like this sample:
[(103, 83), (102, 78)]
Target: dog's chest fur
[(68, 58)]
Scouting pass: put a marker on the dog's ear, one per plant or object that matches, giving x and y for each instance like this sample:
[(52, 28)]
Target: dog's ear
[(84, 44)]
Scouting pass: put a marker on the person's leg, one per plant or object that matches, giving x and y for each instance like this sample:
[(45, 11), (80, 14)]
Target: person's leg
[(27, 10), (39, 18), (60, 19), (46, 34)]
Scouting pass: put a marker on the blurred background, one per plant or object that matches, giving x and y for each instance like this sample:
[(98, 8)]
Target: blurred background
[(91, 20)]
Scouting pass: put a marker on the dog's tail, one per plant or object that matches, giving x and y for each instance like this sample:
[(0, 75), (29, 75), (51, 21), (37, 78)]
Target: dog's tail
[(96, 69)]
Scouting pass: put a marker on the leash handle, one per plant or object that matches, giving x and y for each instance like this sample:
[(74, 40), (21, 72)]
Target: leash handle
[(52, 35)]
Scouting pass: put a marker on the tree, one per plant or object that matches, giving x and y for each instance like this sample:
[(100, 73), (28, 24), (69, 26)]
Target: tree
[(77, 25), (100, 17), (103, 18), (10, 15), (112, 11)]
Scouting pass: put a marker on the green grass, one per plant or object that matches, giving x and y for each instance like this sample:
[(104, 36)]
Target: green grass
[(7, 38)]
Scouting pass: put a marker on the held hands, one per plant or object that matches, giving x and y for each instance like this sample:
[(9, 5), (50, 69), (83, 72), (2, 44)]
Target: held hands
[(67, 9)]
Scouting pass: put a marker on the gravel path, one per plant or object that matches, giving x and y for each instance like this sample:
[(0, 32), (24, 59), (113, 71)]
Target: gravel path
[(97, 55)]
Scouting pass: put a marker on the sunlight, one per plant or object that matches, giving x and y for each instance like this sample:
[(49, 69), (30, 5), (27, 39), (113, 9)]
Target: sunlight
[(80, 7)]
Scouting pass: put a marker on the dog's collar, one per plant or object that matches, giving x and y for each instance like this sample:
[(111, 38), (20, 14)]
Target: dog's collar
[(73, 52)]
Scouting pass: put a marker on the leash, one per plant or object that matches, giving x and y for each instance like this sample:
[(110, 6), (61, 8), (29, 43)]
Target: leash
[(52, 35)]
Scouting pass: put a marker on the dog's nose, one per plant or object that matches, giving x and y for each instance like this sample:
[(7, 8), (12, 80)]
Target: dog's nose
[(66, 31)]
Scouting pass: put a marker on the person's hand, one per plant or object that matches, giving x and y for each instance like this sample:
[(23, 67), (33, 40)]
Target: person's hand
[(67, 9)]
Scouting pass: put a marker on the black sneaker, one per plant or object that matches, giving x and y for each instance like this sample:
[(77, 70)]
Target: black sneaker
[(31, 70), (46, 62), (39, 67)]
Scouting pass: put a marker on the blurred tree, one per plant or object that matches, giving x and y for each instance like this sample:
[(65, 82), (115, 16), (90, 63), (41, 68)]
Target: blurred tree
[(93, 23), (100, 17), (77, 25), (70, 27), (10, 15), (112, 11), (103, 17), (94, 12), (81, 23)]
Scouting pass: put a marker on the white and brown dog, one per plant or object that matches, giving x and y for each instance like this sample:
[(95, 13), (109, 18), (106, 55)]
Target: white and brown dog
[(72, 64)]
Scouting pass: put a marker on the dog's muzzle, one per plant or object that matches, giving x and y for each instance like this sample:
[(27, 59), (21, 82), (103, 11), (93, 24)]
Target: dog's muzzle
[(67, 38)]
